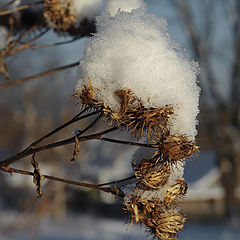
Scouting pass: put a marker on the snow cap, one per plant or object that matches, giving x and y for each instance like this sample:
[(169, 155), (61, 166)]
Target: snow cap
[(134, 51)]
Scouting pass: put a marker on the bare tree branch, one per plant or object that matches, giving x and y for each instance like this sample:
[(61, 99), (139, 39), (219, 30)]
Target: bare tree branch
[(199, 49)]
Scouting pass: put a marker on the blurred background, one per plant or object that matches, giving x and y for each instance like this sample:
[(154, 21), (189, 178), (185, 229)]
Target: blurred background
[(209, 32)]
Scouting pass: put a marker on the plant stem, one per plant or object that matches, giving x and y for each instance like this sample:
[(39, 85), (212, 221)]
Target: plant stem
[(100, 187), (51, 71)]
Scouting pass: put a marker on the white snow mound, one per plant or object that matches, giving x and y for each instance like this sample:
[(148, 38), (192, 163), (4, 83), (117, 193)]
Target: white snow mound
[(134, 51)]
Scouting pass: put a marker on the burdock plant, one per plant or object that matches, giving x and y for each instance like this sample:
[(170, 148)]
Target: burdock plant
[(135, 77)]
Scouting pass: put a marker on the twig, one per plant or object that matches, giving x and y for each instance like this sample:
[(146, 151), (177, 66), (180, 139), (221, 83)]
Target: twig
[(127, 142), (38, 75), (20, 8), (67, 181), (26, 45), (117, 181), (90, 125), (30, 150), (78, 117), (33, 46)]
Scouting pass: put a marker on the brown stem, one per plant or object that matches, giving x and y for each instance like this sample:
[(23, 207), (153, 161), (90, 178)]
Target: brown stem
[(38, 75), (90, 125), (31, 149), (22, 7), (73, 120), (67, 181), (118, 181), (26, 45), (33, 46), (127, 142)]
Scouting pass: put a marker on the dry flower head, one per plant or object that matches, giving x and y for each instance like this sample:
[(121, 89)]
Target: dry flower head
[(174, 149), (60, 14), (175, 191), (131, 114), (161, 223), (151, 174), (155, 200)]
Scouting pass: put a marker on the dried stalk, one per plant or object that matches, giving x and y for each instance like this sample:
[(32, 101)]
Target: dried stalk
[(71, 182), (53, 44), (30, 150), (42, 74), (128, 142), (20, 8)]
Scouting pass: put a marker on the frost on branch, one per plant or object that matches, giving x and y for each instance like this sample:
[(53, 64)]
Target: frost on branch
[(137, 75)]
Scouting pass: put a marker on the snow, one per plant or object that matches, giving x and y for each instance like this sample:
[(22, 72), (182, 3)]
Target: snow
[(87, 9), (113, 6), (80, 227), (134, 51)]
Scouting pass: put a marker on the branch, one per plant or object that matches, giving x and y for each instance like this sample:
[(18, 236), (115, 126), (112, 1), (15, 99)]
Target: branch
[(20, 8), (128, 142), (27, 45), (38, 75), (199, 48), (115, 191), (31, 149), (118, 181), (33, 46), (73, 120)]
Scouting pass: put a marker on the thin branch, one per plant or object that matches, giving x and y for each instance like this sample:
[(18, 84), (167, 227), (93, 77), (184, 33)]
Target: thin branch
[(128, 142), (199, 48), (38, 75), (27, 45), (33, 46), (68, 181), (90, 125), (31, 149), (117, 181), (20, 8), (78, 117)]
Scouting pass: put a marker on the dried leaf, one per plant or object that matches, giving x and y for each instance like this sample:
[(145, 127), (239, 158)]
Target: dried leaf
[(76, 149), (37, 176)]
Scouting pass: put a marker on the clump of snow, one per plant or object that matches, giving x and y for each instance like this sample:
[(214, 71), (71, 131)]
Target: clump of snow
[(88, 8), (113, 6), (134, 51)]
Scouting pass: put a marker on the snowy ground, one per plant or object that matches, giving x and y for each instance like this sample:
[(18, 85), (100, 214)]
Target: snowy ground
[(88, 227)]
